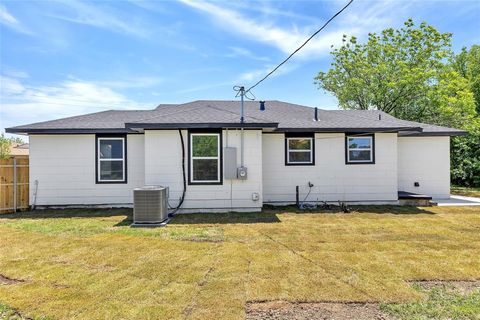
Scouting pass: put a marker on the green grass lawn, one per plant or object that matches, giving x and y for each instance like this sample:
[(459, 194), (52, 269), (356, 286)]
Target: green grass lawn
[(88, 264), (464, 191)]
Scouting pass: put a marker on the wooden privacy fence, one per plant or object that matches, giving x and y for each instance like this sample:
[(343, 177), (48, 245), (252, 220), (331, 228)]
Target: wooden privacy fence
[(14, 184)]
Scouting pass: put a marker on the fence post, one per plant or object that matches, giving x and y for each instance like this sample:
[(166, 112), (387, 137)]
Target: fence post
[(14, 184)]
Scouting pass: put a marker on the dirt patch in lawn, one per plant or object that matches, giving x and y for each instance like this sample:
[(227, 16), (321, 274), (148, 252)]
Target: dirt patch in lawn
[(282, 310), (459, 286), (7, 280)]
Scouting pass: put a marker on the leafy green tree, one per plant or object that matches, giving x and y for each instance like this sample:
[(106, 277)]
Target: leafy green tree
[(5, 144), (465, 155), (4, 147), (404, 72), (413, 74), (467, 63)]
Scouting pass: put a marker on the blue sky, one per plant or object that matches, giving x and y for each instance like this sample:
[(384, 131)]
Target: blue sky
[(63, 58)]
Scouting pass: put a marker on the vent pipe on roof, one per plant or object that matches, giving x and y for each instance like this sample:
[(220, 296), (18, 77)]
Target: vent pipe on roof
[(379, 116), (316, 114), (262, 105)]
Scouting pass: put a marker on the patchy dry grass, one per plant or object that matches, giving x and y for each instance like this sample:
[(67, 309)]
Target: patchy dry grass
[(467, 192), (88, 264), (8, 313), (442, 302)]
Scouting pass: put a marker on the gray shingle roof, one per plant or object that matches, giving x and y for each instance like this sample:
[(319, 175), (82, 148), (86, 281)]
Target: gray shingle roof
[(280, 116)]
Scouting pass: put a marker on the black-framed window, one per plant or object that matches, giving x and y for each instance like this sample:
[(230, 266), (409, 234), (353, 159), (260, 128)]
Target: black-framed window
[(111, 159), (205, 157), (299, 149), (360, 149)]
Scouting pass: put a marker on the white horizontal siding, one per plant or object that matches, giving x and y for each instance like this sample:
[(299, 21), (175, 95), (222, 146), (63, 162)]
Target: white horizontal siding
[(64, 166), (333, 180), (163, 156), (425, 160)]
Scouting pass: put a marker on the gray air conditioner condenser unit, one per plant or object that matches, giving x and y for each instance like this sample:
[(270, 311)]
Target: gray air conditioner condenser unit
[(150, 204)]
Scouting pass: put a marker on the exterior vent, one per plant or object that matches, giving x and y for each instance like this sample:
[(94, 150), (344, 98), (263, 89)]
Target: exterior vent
[(150, 204)]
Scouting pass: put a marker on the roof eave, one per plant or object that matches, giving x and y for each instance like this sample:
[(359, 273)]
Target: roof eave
[(66, 131), (134, 127), (434, 134), (353, 130)]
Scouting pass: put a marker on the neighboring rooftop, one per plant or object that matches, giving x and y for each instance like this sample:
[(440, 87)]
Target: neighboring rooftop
[(278, 116), (19, 149)]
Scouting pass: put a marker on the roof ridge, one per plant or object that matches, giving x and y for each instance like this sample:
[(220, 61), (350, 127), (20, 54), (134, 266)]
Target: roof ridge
[(373, 120), (219, 108), (131, 110), (297, 105), (428, 124), (164, 115), (163, 105)]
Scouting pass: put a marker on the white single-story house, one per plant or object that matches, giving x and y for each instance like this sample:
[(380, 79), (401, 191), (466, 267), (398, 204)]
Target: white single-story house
[(203, 151)]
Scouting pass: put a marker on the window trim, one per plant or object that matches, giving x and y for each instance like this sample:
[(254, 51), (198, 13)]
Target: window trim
[(347, 149), (100, 137), (291, 136), (219, 158)]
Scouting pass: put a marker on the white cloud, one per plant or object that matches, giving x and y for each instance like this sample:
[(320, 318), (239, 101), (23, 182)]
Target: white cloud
[(131, 82), (10, 86), (15, 73), (7, 19), (358, 19), (375, 16), (21, 104), (155, 6), (94, 15), (268, 11), (251, 75), (242, 52), (259, 73), (284, 39)]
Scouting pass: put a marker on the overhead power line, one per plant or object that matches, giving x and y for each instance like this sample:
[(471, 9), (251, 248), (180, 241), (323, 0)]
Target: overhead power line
[(299, 48)]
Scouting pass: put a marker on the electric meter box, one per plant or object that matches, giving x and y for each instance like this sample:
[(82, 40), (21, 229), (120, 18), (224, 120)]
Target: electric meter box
[(242, 173)]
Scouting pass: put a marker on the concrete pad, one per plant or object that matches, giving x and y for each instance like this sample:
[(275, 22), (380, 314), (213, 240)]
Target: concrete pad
[(458, 201), (150, 225)]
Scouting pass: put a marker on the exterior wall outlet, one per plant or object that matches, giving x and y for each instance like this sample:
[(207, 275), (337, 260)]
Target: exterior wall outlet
[(255, 196), (242, 173)]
